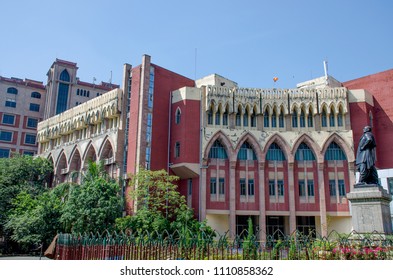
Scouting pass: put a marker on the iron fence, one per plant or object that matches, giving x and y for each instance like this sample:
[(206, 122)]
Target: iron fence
[(213, 246)]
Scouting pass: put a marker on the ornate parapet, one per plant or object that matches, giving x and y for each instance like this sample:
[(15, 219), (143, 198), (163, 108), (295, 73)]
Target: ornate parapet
[(313, 99), (92, 112)]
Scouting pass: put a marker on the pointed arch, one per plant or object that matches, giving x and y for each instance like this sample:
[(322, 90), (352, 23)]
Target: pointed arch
[(266, 116), (252, 141), (224, 141), (281, 119), (90, 153), (106, 149), (61, 164), (302, 116), (282, 143), (64, 76), (246, 115), (332, 114), (324, 116), (340, 116), (178, 115), (311, 144), (75, 161), (294, 116), (341, 143)]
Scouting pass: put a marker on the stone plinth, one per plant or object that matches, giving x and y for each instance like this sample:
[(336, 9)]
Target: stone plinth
[(370, 209)]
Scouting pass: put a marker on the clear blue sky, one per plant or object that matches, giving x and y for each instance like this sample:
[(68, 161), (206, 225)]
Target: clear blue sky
[(246, 41)]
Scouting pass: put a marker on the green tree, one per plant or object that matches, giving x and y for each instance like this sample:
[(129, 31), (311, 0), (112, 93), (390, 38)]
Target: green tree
[(249, 243), (17, 174), (94, 205), (34, 220), (160, 206)]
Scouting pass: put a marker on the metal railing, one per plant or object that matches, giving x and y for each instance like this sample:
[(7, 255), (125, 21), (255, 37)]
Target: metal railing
[(203, 246)]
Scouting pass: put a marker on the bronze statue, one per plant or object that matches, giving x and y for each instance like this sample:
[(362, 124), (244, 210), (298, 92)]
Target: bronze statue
[(365, 158)]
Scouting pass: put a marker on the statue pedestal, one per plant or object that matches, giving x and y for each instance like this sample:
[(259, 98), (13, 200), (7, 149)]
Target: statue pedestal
[(370, 209)]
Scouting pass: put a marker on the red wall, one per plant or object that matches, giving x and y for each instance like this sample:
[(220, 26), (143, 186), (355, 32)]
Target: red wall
[(186, 132), (165, 82), (380, 85), (133, 121)]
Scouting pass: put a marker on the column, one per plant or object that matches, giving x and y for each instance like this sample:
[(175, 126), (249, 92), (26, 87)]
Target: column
[(232, 199), (291, 191), (262, 205), (202, 197), (322, 199)]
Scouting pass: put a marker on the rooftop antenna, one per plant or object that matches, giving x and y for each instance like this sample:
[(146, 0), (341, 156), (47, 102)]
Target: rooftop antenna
[(110, 80), (325, 67)]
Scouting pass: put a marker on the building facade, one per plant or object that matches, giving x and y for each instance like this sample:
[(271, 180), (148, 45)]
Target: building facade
[(21, 108), (24, 103), (284, 157)]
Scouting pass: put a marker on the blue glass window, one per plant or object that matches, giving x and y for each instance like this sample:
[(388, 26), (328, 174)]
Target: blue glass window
[(310, 187), (30, 139), (210, 116), (331, 118), (280, 187), (62, 98), (218, 151), (242, 186), (332, 187), (245, 118), (275, 153), (32, 123), (251, 187), (246, 152), (274, 119), (4, 153), (218, 117), (324, 118), (178, 116), (34, 107), (8, 119), (281, 119), (304, 153), (64, 76), (177, 149), (310, 119), (294, 118), (6, 136), (302, 188), (272, 188), (266, 118), (12, 90), (334, 152), (10, 103), (341, 188), (35, 94), (213, 186), (221, 189), (302, 119)]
